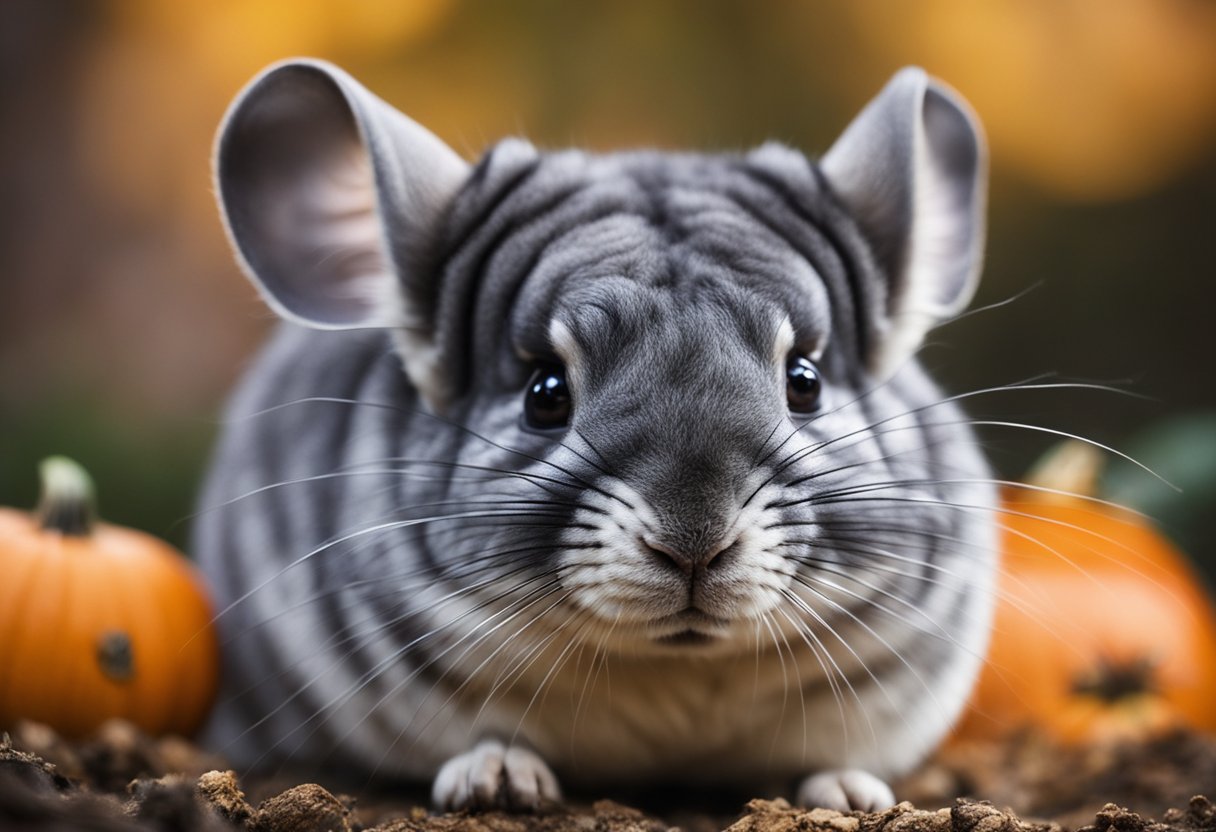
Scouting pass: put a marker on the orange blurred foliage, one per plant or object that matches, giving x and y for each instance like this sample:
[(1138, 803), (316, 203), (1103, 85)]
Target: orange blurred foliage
[(1092, 99)]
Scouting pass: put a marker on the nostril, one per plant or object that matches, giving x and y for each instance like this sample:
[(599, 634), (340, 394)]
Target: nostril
[(682, 559), (667, 555), (722, 554)]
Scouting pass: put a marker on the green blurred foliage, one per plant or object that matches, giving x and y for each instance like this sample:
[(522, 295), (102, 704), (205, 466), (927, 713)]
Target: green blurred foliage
[(1182, 451), (146, 477)]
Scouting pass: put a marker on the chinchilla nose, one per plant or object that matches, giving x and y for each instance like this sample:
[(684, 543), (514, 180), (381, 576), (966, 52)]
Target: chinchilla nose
[(694, 504), (687, 556)]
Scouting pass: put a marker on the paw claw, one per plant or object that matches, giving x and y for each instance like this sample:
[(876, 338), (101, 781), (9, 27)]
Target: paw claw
[(845, 791), (492, 776)]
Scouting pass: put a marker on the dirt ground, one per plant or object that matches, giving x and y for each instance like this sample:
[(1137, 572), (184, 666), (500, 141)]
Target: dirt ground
[(120, 780)]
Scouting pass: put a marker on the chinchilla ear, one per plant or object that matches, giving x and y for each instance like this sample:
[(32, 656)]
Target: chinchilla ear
[(332, 199), (912, 171)]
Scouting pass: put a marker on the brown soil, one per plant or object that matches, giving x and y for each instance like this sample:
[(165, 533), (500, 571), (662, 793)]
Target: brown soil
[(120, 780)]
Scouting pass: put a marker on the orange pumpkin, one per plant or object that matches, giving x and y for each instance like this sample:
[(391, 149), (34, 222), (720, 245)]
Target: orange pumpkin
[(1102, 629), (98, 621)]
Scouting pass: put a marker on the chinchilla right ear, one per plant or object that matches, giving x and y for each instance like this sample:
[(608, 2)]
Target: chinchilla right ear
[(912, 170), (332, 199)]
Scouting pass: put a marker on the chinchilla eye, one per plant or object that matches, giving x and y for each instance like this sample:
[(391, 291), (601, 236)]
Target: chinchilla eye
[(802, 384), (547, 402)]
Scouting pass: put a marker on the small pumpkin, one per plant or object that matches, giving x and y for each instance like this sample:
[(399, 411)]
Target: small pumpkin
[(98, 621), (1102, 629)]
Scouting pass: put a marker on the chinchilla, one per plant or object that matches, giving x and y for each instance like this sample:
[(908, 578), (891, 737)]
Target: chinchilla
[(599, 468)]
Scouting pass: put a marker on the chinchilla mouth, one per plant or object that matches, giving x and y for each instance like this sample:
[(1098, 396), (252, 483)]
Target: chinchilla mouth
[(687, 638), (695, 628)]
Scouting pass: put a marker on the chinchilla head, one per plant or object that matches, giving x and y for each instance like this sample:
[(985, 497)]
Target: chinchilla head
[(678, 392)]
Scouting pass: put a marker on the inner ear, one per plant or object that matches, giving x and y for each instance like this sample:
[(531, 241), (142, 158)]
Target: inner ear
[(911, 171), (949, 232), (300, 199)]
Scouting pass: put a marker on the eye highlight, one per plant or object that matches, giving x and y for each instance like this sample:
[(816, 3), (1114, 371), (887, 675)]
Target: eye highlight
[(547, 402), (803, 385)]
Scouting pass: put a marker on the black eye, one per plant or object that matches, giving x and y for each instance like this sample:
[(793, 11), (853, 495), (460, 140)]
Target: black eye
[(547, 402), (802, 384)]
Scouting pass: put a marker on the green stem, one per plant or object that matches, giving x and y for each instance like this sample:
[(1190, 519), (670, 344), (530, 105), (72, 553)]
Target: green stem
[(67, 504)]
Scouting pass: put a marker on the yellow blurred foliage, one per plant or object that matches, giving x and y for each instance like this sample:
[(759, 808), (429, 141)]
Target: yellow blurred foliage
[(1092, 99), (158, 81), (229, 35)]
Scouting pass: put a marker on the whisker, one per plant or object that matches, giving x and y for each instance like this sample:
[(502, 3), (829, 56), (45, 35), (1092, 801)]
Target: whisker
[(379, 527), (345, 472), (825, 566), (823, 657), (395, 584), (882, 485), (801, 604), (593, 673), (1017, 386), (967, 313), (445, 421), (396, 654), (894, 502), (326, 712), (541, 689), (806, 581), (1079, 438), (475, 672), (785, 688)]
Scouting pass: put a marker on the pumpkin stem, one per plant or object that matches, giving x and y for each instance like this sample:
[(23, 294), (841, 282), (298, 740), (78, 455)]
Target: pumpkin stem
[(1071, 467), (67, 504)]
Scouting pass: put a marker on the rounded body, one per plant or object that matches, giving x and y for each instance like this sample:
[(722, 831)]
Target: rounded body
[(625, 459)]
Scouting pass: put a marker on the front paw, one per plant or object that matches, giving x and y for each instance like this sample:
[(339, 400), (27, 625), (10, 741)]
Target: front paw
[(845, 791), (493, 776)]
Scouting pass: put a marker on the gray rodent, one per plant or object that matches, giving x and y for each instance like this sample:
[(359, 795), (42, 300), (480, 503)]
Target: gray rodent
[(606, 468)]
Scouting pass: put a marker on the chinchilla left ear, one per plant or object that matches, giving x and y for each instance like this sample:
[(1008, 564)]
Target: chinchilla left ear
[(912, 171), (333, 199)]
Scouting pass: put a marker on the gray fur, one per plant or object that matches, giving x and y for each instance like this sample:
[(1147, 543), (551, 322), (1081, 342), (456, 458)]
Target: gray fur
[(406, 574)]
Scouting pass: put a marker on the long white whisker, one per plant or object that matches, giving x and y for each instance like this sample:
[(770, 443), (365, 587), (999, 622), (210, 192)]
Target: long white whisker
[(379, 527)]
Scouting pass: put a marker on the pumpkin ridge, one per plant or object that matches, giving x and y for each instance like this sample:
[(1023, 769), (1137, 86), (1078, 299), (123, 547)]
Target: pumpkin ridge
[(74, 639), (191, 691), (8, 681), (14, 609), (126, 691), (163, 696)]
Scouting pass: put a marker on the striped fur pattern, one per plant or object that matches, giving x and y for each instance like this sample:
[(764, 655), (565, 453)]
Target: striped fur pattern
[(689, 581)]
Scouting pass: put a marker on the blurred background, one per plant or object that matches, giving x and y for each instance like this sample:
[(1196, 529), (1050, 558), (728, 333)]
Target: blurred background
[(123, 320)]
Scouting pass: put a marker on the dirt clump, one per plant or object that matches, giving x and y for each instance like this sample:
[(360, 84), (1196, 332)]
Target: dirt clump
[(305, 808), (119, 780), (1069, 784), (1199, 816), (223, 792), (964, 816)]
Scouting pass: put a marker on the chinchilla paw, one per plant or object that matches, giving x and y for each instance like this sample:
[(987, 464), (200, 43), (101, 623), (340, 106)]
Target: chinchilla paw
[(846, 790), (493, 776)]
